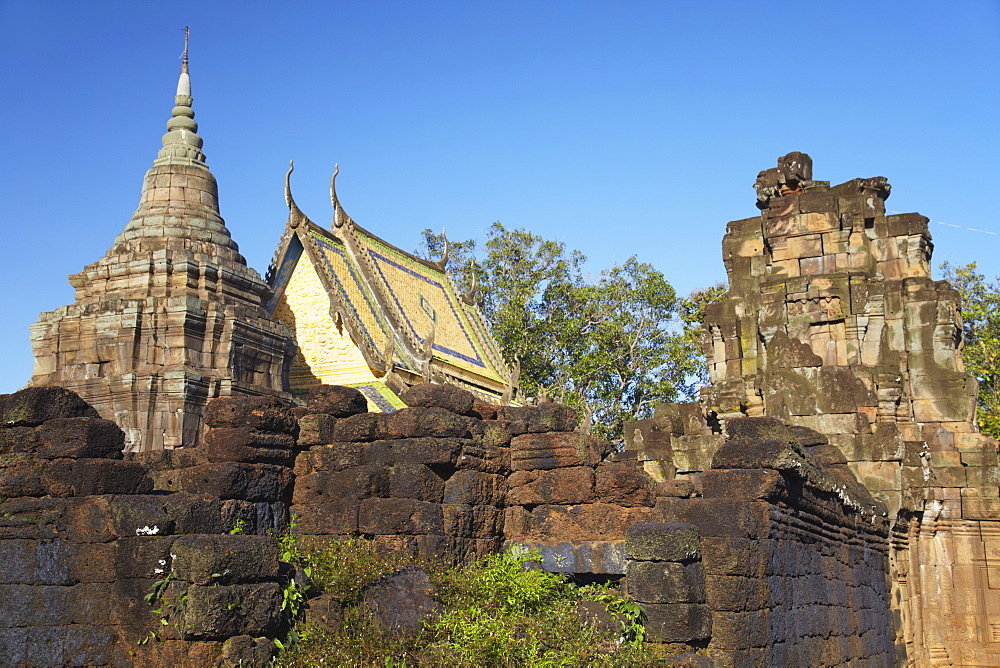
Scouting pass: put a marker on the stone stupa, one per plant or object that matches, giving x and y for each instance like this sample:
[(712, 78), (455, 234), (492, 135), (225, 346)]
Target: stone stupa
[(171, 316)]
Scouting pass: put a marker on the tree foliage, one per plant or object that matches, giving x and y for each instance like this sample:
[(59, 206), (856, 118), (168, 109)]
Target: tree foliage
[(611, 346), (981, 334)]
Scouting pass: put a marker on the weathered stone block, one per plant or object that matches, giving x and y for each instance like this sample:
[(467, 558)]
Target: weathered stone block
[(81, 437), (34, 405), (879, 476), (18, 440), (18, 559), (220, 612), (677, 622), (662, 541), (465, 521), (577, 556), (759, 428), (247, 651), (352, 484), (21, 475), (336, 401), (415, 481), (225, 559), (729, 518), (570, 485), (400, 516), (737, 593), (28, 605), (241, 444), (86, 477), (138, 557), (750, 453), (414, 451), (694, 453), (483, 411), (235, 480), (785, 352), (323, 519), (539, 419), (475, 488), (332, 457), (315, 429), (981, 508), (401, 602), (193, 513), (360, 428), (484, 457), (427, 422), (743, 631), (623, 484), (435, 395), (594, 521), (748, 484), (667, 418), (665, 582), (495, 433), (259, 518), (554, 450), (261, 413)]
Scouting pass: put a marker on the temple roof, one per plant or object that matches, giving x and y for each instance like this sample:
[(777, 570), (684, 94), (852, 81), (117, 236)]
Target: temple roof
[(396, 306)]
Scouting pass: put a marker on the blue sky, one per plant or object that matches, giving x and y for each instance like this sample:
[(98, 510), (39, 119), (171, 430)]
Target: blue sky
[(619, 128)]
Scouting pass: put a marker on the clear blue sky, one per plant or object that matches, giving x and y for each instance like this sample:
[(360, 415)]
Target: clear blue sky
[(618, 127)]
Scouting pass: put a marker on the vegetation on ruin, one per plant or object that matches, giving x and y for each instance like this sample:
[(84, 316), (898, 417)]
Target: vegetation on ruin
[(981, 334), (497, 611), (613, 347)]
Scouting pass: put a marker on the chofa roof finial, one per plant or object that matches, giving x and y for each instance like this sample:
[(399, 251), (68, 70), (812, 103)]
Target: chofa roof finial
[(295, 215), (339, 215)]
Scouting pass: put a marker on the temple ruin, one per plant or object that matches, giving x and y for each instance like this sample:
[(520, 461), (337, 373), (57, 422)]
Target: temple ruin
[(828, 502), (833, 324)]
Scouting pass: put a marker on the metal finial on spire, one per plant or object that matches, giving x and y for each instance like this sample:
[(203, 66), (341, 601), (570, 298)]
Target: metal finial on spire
[(181, 144)]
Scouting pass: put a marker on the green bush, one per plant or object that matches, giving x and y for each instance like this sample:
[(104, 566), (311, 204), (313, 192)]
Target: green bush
[(502, 610)]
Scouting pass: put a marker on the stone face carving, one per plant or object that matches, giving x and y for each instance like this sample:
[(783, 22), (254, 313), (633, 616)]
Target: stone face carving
[(171, 316), (834, 323)]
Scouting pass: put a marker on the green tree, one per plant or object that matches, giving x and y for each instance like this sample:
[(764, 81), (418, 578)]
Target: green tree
[(610, 347), (981, 333)]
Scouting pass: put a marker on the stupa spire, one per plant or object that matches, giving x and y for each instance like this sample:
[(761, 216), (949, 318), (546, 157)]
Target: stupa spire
[(181, 144)]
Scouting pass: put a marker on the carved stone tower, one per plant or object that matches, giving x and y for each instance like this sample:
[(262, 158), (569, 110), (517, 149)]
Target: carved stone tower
[(833, 322), (171, 316)]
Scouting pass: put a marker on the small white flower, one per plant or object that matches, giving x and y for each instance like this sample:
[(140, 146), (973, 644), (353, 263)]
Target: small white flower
[(163, 562), (157, 571)]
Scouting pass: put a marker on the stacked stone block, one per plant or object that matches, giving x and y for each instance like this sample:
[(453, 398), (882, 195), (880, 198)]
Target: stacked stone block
[(245, 462), (564, 499), (665, 575), (428, 478), (675, 445), (83, 542), (795, 553)]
